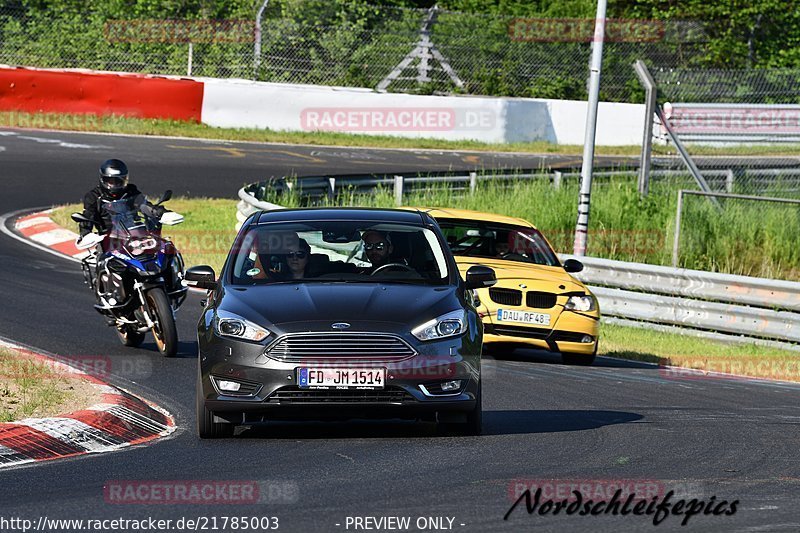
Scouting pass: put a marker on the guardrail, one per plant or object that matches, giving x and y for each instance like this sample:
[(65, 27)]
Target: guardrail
[(723, 306), (314, 188)]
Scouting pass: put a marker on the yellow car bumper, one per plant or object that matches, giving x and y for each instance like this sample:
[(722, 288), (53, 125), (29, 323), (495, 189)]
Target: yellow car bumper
[(565, 336)]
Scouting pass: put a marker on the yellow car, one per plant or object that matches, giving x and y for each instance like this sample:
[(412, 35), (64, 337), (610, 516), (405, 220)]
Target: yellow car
[(536, 302)]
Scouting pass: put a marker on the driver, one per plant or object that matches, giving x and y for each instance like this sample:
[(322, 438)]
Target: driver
[(377, 247), (113, 186)]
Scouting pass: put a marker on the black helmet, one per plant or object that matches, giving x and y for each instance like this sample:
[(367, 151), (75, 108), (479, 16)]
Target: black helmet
[(113, 176)]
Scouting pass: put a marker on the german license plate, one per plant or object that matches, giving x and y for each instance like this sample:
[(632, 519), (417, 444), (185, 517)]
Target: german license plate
[(525, 317), (341, 378)]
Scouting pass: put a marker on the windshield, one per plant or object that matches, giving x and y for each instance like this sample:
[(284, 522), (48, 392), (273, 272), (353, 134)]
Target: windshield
[(326, 251), (123, 214), (472, 238)]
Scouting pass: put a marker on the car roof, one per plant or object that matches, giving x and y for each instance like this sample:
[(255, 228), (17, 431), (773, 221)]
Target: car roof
[(400, 216), (466, 214)]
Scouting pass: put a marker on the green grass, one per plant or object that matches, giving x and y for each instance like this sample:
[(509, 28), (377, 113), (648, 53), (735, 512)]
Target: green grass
[(175, 128), (692, 352), (29, 387)]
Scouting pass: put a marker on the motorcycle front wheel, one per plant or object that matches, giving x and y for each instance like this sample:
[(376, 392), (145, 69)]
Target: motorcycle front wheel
[(129, 336), (164, 330)]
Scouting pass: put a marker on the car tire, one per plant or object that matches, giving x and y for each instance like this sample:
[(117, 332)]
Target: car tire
[(206, 427), (494, 349), (474, 423), (579, 359)]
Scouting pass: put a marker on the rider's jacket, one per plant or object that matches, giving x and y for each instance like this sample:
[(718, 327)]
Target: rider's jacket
[(93, 207)]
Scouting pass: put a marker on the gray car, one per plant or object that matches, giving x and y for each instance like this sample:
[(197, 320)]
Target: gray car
[(339, 313)]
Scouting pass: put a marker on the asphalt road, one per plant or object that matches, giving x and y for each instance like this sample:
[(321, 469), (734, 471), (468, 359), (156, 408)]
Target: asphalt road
[(615, 422)]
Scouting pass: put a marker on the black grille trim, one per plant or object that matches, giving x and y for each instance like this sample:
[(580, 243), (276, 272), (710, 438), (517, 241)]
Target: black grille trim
[(506, 296), (351, 346), (521, 331), (296, 395), (535, 333), (540, 300), (569, 336)]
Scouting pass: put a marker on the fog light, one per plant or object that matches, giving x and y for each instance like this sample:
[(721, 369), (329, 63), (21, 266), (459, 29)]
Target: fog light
[(587, 339), (228, 386), (449, 386)]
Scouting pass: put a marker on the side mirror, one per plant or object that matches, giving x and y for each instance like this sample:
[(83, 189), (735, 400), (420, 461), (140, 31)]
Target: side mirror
[(573, 265), (164, 197), (77, 217), (479, 277), (202, 277)]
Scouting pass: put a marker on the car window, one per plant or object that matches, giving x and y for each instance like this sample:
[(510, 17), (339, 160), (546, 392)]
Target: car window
[(499, 241), (325, 251)]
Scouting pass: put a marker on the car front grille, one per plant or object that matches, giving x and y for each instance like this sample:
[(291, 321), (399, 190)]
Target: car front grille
[(294, 395), (521, 331), (534, 333), (329, 347), (540, 300), (506, 296)]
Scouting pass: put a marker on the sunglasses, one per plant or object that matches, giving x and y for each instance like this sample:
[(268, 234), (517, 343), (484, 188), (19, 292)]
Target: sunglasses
[(374, 246), (298, 255)]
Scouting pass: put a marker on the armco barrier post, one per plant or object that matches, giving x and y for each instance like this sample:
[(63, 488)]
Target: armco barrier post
[(398, 190)]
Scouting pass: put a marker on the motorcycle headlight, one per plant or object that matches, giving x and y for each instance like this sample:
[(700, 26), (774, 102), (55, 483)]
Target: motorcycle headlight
[(140, 246), (230, 325), (449, 325), (583, 303)]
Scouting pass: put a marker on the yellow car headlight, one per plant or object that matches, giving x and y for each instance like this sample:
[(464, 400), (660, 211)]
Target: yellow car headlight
[(583, 303)]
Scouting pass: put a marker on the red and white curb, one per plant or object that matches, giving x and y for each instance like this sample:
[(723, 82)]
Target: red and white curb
[(120, 420), (40, 228)]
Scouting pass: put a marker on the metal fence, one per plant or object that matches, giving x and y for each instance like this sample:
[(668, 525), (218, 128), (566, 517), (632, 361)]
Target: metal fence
[(326, 43)]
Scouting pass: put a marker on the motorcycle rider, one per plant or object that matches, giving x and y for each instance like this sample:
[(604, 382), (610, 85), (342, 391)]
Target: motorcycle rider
[(113, 186)]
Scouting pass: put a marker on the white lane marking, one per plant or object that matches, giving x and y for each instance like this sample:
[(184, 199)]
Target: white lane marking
[(63, 144), (74, 432), (2, 148), (54, 236), (8, 133)]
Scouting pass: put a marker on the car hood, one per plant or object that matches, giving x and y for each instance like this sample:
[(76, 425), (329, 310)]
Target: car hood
[(300, 306), (516, 271)]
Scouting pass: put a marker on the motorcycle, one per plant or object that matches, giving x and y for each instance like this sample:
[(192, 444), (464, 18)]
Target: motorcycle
[(136, 274)]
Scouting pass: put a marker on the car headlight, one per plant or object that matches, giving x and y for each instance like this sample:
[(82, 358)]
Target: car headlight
[(581, 303), (449, 325), (230, 325)]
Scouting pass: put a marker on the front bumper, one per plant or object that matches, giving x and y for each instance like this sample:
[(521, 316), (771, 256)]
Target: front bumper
[(564, 336), (274, 392)]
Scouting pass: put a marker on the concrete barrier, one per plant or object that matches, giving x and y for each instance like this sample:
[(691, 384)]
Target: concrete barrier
[(242, 103)]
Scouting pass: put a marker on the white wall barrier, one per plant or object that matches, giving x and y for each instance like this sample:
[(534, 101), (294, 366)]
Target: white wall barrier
[(248, 104)]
